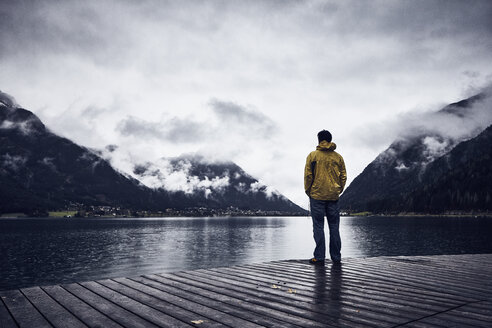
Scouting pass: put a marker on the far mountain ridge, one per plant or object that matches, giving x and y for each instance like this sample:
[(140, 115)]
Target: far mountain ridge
[(458, 181), (396, 180), (42, 171)]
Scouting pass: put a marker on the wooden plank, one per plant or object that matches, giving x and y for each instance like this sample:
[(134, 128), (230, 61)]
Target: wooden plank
[(443, 273), (366, 286), (363, 296), (353, 283), (6, 320), (438, 321), (391, 283), (219, 301), (373, 284), (167, 303), (146, 312), (87, 314), (381, 311), (457, 318), (433, 323), (283, 312), (24, 313), (116, 313), (482, 307), (459, 288), (410, 310), (419, 324), (359, 292), (467, 262), (452, 267), (415, 278), (409, 281), (50, 309), (319, 313), (467, 314), (190, 308)]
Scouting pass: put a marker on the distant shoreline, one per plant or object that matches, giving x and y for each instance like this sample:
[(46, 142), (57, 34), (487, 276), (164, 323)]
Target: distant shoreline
[(369, 215), (470, 215), (148, 217)]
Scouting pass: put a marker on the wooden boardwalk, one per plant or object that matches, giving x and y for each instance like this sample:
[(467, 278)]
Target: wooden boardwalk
[(417, 291)]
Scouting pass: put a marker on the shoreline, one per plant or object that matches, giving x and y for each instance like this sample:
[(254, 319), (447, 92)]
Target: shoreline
[(406, 215), (464, 215)]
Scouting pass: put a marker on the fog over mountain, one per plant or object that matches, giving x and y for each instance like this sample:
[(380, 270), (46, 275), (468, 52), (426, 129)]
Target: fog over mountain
[(451, 123), (41, 171), (432, 152), (188, 173)]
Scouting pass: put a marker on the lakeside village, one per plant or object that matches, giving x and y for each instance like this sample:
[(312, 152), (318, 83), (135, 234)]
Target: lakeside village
[(104, 211), (120, 212)]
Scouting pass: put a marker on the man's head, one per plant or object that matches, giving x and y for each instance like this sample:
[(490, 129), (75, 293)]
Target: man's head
[(324, 135)]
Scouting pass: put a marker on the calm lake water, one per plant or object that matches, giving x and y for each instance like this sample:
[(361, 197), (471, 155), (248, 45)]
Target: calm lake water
[(52, 251)]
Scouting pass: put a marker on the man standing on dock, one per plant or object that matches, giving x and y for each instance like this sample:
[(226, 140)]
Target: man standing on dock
[(324, 180)]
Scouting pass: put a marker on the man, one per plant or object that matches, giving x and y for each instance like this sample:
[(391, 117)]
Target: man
[(324, 180)]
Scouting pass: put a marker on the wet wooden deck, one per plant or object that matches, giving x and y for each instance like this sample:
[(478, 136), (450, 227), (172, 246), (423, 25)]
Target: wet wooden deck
[(418, 291)]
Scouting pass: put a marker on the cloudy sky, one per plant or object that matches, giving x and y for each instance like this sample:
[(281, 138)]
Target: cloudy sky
[(248, 81)]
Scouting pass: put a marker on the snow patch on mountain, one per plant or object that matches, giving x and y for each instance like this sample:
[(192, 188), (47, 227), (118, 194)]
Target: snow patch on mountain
[(12, 162), (24, 127), (176, 176), (189, 174)]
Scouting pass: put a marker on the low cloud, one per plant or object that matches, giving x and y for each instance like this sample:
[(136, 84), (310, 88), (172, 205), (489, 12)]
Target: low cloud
[(229, 121), (242, 118), (24, 127), (170, 174), (436, 132), (173, 130), (435, 147), (183, 174), (456, 124), (441, 126)]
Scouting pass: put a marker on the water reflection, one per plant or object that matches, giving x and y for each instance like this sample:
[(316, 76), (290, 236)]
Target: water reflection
[(49, 251), (327, 293)]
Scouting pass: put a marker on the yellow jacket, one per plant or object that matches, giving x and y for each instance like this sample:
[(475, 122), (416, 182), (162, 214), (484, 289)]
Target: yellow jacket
[(324, 174)]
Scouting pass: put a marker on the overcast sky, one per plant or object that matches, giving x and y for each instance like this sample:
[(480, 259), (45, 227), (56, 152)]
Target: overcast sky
[(248, 81)]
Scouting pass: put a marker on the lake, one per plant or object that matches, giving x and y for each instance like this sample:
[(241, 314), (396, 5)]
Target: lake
[(45, 251)]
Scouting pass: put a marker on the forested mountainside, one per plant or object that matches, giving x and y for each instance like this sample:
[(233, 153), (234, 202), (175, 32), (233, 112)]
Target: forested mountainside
[(428, 172)]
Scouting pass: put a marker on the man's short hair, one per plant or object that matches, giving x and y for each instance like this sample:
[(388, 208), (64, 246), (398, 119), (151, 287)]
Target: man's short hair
[(324, 135)]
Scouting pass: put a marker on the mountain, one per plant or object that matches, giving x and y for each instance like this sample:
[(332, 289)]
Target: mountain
[(40, 170), (458, 181), (211, 184), (426, 171)]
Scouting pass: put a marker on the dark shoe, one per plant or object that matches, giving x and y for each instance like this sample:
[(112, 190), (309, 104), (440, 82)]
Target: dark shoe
[(337, 262), (315, 261)]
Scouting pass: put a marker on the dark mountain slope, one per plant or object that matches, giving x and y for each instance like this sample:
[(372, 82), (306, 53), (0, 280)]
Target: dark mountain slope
[(213, 185), (40, 170), (386, 183), (459, 181)]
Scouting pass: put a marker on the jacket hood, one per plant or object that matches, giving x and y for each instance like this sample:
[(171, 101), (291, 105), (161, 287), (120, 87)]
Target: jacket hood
[(326, 146)]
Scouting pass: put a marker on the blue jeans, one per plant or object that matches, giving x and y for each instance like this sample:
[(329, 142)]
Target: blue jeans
[(320, 208)]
